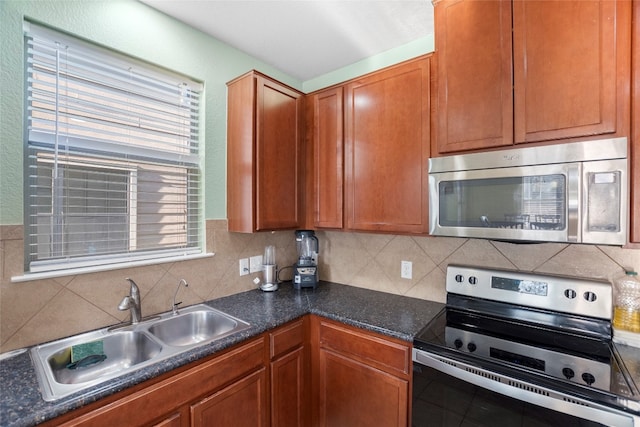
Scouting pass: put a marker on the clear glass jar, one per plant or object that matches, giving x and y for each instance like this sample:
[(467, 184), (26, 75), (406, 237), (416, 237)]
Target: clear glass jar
[(626, 302)]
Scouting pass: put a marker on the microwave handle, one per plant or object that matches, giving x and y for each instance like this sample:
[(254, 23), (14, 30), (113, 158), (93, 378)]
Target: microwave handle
[(573, 202)]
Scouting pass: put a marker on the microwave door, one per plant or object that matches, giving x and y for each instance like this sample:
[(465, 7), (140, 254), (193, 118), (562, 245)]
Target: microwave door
[(521, 203)]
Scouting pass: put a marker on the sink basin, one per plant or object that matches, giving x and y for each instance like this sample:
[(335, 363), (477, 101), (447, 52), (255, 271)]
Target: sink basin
[(194, 327), (123, 350), (128, 348)]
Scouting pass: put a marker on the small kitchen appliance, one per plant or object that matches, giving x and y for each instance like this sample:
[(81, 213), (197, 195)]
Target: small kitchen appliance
[(575, 192), (269, 270), (540, 345), (305, 270)]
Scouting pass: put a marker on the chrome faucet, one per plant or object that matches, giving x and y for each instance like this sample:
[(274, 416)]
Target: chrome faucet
[(174, 306), (132, 302)]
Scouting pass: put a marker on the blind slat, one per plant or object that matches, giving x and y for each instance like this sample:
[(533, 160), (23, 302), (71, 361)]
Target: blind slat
[(113, 161)]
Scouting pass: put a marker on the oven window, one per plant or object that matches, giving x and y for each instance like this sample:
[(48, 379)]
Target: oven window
[(532, 203), (442, 400)]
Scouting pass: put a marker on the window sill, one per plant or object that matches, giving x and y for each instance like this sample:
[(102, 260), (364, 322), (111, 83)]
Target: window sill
[(107, 267)]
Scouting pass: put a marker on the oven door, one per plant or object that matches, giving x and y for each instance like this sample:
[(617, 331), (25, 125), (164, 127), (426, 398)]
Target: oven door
[(448, 392)]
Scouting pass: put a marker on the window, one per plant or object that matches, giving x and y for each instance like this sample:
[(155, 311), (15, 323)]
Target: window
[(112, 165)]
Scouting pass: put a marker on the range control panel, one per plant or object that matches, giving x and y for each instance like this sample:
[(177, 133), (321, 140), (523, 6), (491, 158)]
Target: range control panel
[(587, 297)]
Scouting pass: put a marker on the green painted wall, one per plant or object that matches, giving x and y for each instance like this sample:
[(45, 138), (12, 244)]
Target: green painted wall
[(140, 31)]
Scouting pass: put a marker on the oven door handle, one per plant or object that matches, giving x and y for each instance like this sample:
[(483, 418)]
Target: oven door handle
[(536, 395)]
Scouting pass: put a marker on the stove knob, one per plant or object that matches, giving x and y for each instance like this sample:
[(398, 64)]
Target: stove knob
[(459, 278), (588, 378), (471, 347), (590, 296), (458, 343), (570, 293), (568, 373), (473, 280)]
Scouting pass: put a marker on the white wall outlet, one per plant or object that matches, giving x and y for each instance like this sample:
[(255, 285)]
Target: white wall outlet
[(405, 269), (255, 264), (244, 266)]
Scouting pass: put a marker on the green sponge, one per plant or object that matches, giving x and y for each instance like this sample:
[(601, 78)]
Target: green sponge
[(80, 351)]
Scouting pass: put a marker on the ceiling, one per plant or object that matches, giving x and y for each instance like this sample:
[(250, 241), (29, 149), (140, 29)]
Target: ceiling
[(306, 38)]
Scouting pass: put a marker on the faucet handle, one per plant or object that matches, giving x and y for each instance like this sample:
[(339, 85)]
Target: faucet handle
[(125, 304)]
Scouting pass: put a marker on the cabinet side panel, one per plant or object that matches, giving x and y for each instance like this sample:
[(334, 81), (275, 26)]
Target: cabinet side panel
[(240, 154)]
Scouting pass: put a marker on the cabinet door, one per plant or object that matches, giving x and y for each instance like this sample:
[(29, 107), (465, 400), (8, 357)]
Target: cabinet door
[(328, 158), (570, 68), (287, 390), (634, 235), (387, 149), (278, 168), (353, 394), (474, 85), (264, 126), (242, 404)]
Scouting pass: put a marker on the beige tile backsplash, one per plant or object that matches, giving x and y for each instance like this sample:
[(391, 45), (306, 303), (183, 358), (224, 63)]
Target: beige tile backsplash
[(42, 310)]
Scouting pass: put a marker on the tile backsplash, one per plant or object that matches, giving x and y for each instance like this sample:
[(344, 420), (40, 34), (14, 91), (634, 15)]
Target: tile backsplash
[(42, 310)]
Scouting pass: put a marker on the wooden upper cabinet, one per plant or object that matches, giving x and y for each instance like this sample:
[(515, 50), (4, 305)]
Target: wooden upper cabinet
[(570, 69), (387, 149), (474, 99), (634, 235), (327, 154), (264, 131)]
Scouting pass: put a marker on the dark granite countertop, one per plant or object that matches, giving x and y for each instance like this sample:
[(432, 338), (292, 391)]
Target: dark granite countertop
[(21, 403)]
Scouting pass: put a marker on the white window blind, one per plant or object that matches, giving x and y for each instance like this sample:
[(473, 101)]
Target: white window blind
[(113, 167)]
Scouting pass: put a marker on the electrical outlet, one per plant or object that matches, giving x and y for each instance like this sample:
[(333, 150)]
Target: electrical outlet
[(405, 269), (244, 266), (255, 264)]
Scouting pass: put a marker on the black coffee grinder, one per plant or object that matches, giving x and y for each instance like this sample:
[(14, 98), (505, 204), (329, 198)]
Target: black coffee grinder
[(305, 270)]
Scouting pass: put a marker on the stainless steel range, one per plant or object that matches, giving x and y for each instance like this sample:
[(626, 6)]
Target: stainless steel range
[(537, 346)]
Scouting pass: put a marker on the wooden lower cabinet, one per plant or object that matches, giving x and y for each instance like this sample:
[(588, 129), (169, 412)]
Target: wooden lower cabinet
[(354, 394), (289, 375), (287, 390), (242, 404), (361, 378), (309, 372), (230, 376)]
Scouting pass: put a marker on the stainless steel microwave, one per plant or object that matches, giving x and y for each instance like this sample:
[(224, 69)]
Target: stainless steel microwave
[(575, 192)]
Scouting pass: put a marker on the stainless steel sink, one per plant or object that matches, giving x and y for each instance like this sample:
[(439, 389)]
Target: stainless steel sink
[(128, 348), (122, 350), (192, 328)]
